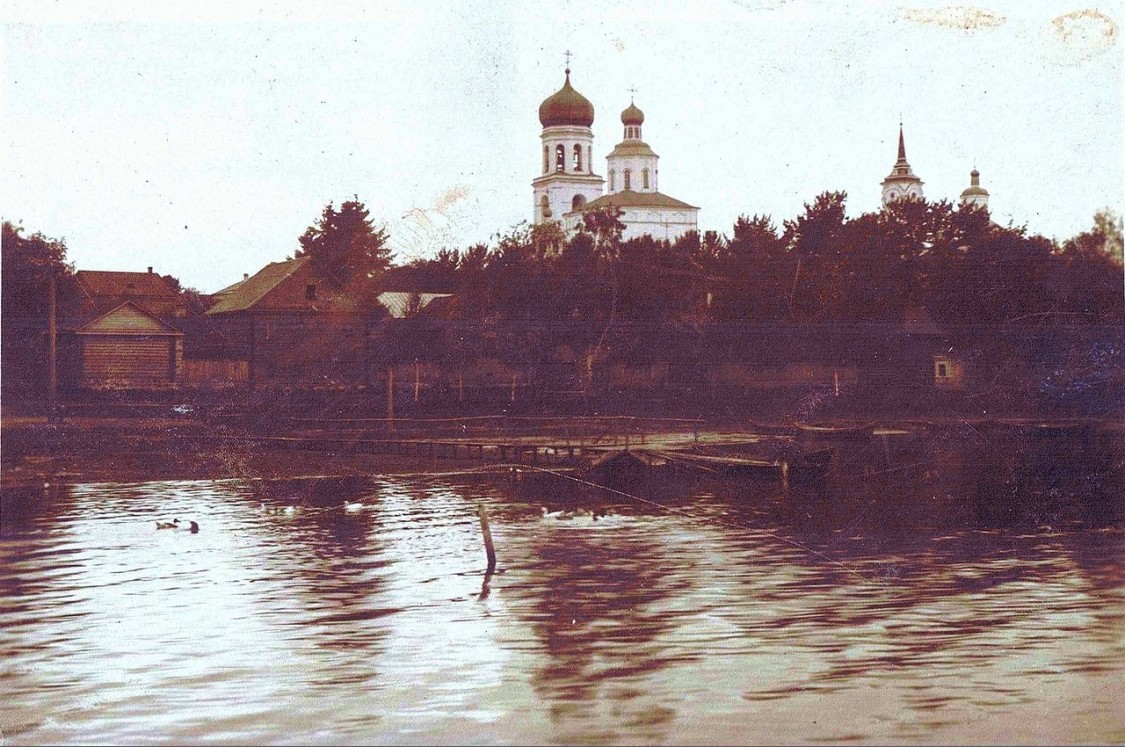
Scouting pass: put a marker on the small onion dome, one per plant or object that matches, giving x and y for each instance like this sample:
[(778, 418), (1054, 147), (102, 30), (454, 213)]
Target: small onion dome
[(975, 188), (632, 115), (566, 107)]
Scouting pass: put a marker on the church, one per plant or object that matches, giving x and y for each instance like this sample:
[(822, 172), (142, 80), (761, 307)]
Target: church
[(569, 186), (903, 184)]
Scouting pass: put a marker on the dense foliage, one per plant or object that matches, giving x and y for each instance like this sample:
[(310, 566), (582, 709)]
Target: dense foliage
[(954, 266), (29, 262), (346, 249)]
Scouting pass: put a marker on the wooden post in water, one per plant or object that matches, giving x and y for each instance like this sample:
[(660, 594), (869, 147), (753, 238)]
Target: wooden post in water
[(488, 548)]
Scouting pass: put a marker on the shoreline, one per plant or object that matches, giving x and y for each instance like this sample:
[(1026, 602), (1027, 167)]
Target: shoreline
[(144, 449)]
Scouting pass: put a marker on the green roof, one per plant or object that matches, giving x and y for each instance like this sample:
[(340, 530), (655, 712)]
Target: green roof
[(251, 290), (631, 148), (630, 199)]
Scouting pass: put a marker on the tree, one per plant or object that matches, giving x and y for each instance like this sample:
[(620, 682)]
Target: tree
[(814, 238), (606, 227), (346, 249), (27, 266)]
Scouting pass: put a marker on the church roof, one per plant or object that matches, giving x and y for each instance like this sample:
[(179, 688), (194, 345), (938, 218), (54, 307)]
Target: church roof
[(630, 199), (631, 148), (632, 115), (566, 106), (975, 188), (901, 171)]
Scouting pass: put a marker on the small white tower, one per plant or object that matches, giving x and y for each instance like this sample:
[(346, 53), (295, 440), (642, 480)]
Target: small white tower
[(901, 183), (975, 195), (568, 180), (632, 164)]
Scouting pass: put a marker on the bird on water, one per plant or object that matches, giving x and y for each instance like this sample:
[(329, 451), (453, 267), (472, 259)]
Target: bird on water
[(192, 526)]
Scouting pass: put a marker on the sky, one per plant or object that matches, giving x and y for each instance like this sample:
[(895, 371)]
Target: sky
[(203, 141)]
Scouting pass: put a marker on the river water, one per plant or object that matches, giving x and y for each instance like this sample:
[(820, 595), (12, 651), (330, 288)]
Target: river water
[(891, 606)]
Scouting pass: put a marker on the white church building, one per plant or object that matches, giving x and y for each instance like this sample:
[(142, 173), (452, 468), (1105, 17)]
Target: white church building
[(568, 186)]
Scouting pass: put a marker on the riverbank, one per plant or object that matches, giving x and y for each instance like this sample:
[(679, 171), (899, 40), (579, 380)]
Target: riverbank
[(134, 450), (139, 449)]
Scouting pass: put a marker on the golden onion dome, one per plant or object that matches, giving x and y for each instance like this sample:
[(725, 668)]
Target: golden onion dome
[(974, 187), (566, 107), (632, 115)]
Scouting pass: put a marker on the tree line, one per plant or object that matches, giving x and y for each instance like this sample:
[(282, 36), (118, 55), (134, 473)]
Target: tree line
[(534, 290)]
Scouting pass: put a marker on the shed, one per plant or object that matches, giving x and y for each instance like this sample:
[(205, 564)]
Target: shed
[(129, 348)]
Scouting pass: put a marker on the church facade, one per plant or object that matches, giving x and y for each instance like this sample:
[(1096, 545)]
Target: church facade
[(568, 185)]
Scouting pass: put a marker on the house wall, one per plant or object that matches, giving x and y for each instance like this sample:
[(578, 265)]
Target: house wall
[(122, 361)]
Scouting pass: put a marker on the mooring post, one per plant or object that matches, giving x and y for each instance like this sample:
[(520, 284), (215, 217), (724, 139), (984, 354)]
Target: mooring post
[(488, 548)]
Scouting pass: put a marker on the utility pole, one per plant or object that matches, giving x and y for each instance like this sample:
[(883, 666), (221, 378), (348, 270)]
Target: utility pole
[(391, 398), (52, 354)]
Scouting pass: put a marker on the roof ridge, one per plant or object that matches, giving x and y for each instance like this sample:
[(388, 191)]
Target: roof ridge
[(284, 277)]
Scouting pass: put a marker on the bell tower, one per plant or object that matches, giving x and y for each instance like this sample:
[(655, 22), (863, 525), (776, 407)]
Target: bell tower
[(901, 183), (567, 181)]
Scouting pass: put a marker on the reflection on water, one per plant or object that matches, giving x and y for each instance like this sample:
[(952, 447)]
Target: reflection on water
[(918, 596)]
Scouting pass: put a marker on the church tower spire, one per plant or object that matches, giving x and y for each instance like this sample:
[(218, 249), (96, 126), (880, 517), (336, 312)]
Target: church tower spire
[(901, 183)]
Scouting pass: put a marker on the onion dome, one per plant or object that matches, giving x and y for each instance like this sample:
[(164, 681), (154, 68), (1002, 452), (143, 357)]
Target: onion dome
[(975, 188), (566, 107), (632, 115)]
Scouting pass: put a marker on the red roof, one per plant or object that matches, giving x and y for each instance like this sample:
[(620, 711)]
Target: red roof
[(101, 291), (110, 283)]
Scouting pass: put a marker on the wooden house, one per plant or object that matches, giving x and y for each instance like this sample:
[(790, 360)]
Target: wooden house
[(129, 348), (120, 332), (292, 327)]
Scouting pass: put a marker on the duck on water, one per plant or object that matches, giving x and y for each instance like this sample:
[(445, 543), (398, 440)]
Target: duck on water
[(192, 526)]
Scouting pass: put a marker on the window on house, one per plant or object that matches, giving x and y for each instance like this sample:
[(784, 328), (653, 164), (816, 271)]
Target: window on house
[(627, 179), (544, 207), (577, 157), (942, 371), (310, 291), (546, 159), (644, 178), (560, 157), (612, 180), (577, 202)]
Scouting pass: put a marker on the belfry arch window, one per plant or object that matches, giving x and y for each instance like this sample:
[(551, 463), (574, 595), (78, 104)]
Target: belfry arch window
[(627, 184), (577, 157), (612, 180), (644, 178), (577, 202), (560, 157), (546, 159)]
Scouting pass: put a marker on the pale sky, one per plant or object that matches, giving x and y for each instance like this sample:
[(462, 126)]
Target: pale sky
[(204, 141)]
